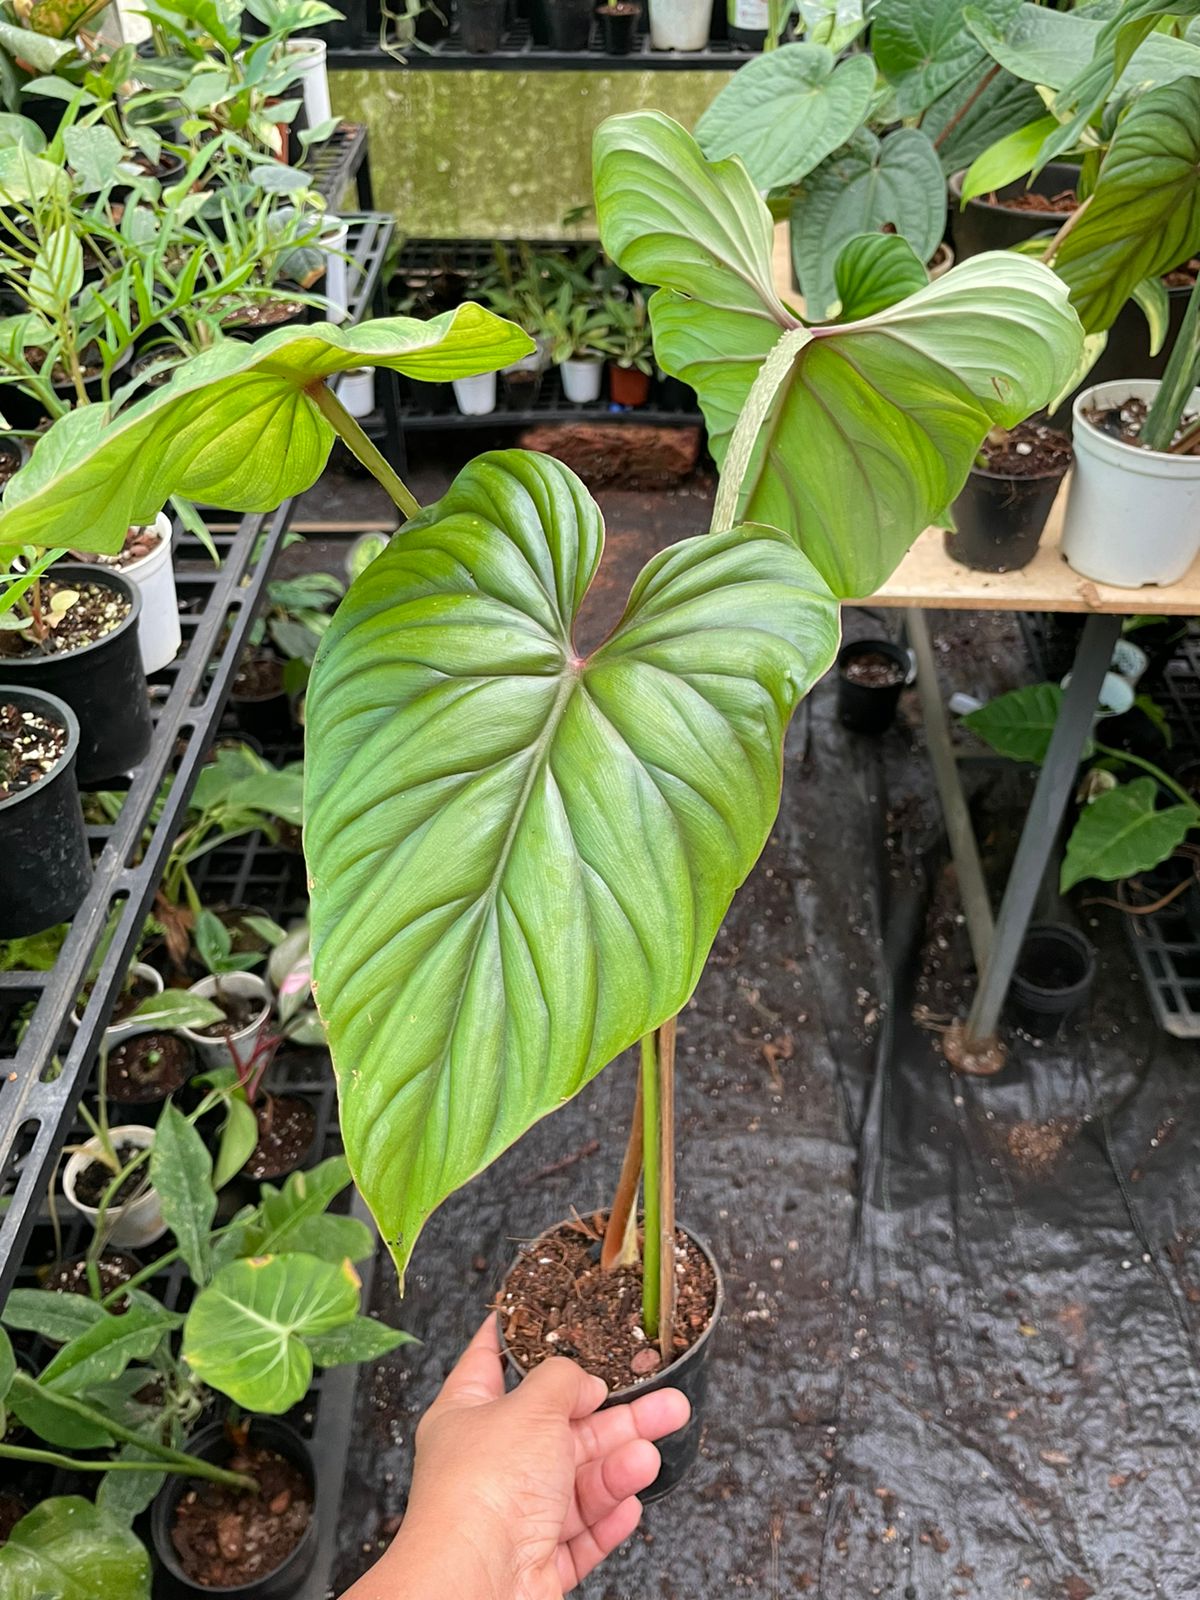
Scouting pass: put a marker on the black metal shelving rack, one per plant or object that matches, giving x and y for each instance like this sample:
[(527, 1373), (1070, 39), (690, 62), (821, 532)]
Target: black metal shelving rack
[(45, 1061), (518, 53)]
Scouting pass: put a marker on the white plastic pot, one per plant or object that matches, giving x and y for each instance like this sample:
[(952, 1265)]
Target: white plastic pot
[(116, 1031), (1133, 515), (314, 78), (680, 24), (357, 391), (476, 397), (159, 636), (129, 1226), (246, 986), (337, 274), (581, 379)]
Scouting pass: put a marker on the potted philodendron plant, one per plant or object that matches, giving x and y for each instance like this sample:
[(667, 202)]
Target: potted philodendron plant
[(523, 851), (1002, 510), (625, 339)]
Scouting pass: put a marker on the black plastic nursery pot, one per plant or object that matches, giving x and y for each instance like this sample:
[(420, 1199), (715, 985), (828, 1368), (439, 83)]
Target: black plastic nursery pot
[(561, 24), (867, 706), (261, 706), (481, 25), (42, 841), (618, 26), (688, 1373), (213, 1444), (999, 519), (1054, 977), (982, 225), (103, 683)]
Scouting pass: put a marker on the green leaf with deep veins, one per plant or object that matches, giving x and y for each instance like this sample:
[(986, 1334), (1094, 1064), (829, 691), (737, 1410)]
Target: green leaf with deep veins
[(67, 1549), (1121, 832), (519, 856), (874, 271), (235, 426), (878, 423)]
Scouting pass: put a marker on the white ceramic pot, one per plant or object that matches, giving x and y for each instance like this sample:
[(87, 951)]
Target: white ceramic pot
[(476, 397), (680, 24), (314, 78), (116, 1031), (356, 391), (129, 1226), (337, 274), (581, 379), (159, 636), (1132, 516), (220, 1052)]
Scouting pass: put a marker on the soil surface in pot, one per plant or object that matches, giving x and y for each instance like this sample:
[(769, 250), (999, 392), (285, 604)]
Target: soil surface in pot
[(92, 1183), (1030, 450), (31, 746), (139, 543), (264, 314), (226, 1537), (1183, 277), (149, 1066), (258, 678), (240, 1011), (1065, 200), (1125, 422), (286, 1128), (556, 1301), (130, 998), (873, 670), (97, 611), (70, 1277)]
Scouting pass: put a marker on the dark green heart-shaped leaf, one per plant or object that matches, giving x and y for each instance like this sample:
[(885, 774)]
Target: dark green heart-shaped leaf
[(1050, 47), (895, 183), (785, 111), (924, 48), (1019, 724), (1144, 215), (876, 426), (518, 856), (245, 1334), (66, 1549), (874, 271), (235, 426), (1122, 832)]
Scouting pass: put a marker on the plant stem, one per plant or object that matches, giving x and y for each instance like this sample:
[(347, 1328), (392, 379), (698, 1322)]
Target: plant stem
[(51, 1458), (1178, 380), (1055, 244), (620, 1236), (356, 441), (1168, 783), (666, 1185), (651, 1267), (966, 105), (164, 1456)]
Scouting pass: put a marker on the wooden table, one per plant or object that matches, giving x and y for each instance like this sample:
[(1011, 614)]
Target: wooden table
[(928, 578)]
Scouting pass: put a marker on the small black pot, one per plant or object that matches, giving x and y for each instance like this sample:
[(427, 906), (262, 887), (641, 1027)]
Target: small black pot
[(999, 520), (211, 1444), (432, 398), (267, 718), (861, 707), (481, 25), (979, 226), (689, 1374), (618, 26), (48, 868), (103, 684), (433, 21), (1054, 976), (672, 394), (562, 24)]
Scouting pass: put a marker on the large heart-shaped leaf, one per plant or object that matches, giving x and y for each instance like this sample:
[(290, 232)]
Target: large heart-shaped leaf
[(519, 857), (245, 1334), (1122, 832), (1049, 47), (66, 1549), (924, 48), (895, 183), (876, 427), (1144, 215), (236, 426), (787, 110), (1019, 724)]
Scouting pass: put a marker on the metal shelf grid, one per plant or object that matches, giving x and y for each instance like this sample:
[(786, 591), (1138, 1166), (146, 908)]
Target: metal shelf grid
[(45, 1062), (518, 53)]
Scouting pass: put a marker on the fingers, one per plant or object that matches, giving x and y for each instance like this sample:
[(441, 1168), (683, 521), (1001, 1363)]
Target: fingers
[(478, 1377), (601, 1486), (650, 1416), (559, 1388), (587, 1549)]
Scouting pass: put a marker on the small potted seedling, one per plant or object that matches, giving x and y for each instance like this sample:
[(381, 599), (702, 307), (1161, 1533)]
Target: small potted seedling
[(1002, 510), (241, 998), (577, 327), (618, 25), (145, 558), (629, 348)]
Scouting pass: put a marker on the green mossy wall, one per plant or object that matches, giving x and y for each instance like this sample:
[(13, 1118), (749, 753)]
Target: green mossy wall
[(480, 154)]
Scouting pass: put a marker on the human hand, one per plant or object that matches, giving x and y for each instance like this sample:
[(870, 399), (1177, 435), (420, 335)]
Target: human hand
[(518, 1496)]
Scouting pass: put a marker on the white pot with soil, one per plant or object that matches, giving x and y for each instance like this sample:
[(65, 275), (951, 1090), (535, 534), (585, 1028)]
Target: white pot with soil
[(1133, 515), (146, 560), (141, 982), (246, 1002), (581, 379), (136, 1221)]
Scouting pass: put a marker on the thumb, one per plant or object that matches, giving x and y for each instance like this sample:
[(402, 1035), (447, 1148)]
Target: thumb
[(478, 1376), (559, 1388)]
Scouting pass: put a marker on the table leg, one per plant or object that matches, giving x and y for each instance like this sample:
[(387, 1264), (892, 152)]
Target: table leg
[(1054, 785), (976, 905)]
